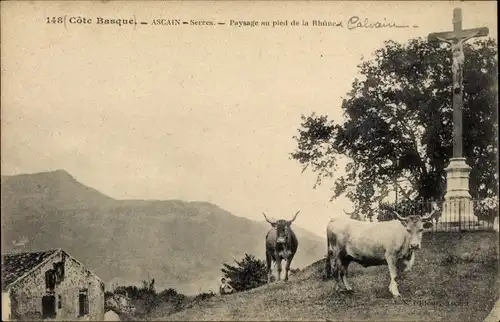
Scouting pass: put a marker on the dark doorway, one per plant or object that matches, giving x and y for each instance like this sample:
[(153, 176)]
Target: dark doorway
[(49, 306), (83, 302)]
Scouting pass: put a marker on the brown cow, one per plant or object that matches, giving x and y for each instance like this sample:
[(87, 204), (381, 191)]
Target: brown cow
[(281, 243)]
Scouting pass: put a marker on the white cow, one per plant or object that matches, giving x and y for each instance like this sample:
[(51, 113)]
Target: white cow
[(392, 243)]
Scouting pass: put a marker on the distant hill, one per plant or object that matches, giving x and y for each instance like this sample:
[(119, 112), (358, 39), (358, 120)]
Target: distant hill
[(180, 244)]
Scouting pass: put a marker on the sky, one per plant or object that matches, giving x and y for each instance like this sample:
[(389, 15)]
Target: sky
[(198, 113)]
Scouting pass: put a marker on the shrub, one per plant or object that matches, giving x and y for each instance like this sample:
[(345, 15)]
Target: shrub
[(142, 298), (204, 296), (170, 292), (172, 299), (486, 209), (248, 273), (146, 301)]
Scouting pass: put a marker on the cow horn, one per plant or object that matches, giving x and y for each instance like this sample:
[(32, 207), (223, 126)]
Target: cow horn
[(427, 217), (272, 223), (349, 213), (399, 216), (291, 221)]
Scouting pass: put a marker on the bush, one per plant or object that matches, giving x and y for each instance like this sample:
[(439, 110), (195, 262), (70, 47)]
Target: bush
[(146, 301), (204, 296), (142, 298), (170, 292), (486, 209), (108, 294), (171, 298), (248, 273)]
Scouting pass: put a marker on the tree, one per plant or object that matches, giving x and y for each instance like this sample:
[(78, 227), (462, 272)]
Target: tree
[(248, 273), (486, 209), (386, 211), (398, 125)]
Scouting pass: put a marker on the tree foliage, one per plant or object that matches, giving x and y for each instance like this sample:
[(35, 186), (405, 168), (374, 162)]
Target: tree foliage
[(386, 211), (248, 273), (486, 209), (398, 125)]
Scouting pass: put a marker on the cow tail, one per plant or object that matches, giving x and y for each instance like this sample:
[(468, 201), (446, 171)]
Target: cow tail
[(328, 266)]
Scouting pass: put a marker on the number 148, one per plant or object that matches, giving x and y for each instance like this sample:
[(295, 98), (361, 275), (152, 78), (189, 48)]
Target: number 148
[(55, 20)]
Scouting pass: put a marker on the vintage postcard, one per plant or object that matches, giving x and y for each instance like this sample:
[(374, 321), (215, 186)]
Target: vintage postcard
[(249, 160)]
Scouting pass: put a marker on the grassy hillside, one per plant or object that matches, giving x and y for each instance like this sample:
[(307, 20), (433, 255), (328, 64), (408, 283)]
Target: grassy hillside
[(455, 278), (180, 244)]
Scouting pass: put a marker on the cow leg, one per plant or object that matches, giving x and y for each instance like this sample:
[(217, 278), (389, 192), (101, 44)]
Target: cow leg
[(278, 268), (342, 265), (339, 274), (345, 266), (409, 264), (337, 268), (328, 265), (393, 271), (334, 263), (269, 261), (287, 266)]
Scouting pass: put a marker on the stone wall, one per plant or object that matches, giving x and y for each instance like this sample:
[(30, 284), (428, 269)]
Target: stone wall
[(5, 306), (26, 296)]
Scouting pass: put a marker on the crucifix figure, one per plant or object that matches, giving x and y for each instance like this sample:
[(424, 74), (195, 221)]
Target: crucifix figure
[(457, 62), (456, 39)]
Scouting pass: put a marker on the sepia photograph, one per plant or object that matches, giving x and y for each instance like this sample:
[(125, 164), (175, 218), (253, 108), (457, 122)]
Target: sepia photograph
[(249, 161)]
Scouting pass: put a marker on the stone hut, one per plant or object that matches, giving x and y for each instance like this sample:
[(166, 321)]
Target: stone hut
[(52, 285)]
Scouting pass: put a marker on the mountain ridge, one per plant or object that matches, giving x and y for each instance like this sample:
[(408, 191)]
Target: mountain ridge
[(181, 244)]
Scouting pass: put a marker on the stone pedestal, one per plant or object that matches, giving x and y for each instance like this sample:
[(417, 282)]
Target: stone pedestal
[(458, 208), (457, 179)]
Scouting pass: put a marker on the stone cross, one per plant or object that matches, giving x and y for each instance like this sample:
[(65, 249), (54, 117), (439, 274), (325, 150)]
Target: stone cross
[(456, 39)]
